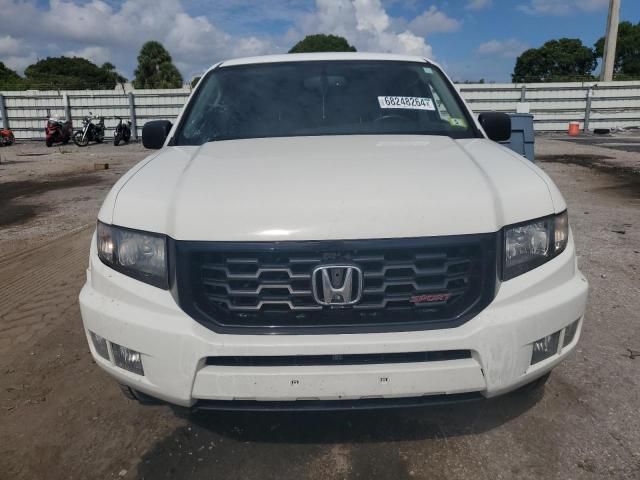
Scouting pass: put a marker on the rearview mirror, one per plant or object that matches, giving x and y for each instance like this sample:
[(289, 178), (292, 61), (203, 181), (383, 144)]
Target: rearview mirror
[(496, 125), (155, 132)]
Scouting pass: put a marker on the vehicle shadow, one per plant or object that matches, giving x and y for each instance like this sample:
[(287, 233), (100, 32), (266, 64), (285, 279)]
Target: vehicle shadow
[(312, 444), (368, 425)]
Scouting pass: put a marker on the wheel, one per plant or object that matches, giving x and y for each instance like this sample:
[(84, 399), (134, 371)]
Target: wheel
[(48, 142), (77, 139), (116, 139)]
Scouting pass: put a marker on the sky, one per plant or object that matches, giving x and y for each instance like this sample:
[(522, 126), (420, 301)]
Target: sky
[(471, 39)]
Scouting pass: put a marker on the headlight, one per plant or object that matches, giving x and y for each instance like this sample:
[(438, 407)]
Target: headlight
[(528, 245), (141, 255)]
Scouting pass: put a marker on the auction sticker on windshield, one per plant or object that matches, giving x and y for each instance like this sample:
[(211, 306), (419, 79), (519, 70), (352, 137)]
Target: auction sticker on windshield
[(412, 103)]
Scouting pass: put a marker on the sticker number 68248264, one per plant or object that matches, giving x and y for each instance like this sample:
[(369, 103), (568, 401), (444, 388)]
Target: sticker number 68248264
[(411, 103)]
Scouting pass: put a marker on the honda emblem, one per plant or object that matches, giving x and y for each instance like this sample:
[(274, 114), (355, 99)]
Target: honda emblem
[(337, 285)]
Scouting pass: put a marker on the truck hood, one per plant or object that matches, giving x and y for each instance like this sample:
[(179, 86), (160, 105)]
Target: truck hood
[(331, 187)]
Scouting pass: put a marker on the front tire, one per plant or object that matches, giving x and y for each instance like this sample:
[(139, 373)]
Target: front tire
[(77, 139), (116, 139), (48, 142)]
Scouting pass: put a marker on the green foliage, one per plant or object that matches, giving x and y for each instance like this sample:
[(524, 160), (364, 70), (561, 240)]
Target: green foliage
[(627, 64), (110, 68), (560, 60), (68, 73), (10, 80), (322, 43), (156, 68), (195, 81)]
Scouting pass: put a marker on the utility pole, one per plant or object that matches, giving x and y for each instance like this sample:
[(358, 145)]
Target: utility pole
[(610, 41)]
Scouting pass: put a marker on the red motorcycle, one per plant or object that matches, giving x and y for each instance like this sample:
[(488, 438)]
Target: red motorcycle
[(6, 137), (58, 131)]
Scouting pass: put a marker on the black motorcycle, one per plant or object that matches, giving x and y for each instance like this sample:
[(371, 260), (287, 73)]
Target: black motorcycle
[(91, 132), (122, 132)]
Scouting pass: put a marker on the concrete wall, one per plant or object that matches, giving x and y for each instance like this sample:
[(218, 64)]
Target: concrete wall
[(554, 105)]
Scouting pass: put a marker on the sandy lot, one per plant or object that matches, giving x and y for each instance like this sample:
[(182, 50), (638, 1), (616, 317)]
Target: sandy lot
[(46, 192), (62, 418)]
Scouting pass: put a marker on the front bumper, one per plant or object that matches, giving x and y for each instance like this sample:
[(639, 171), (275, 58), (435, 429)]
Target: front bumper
[(175, 348)]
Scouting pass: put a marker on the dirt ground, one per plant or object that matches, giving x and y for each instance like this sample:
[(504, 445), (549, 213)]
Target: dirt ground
[(62, 418), (45, 192)]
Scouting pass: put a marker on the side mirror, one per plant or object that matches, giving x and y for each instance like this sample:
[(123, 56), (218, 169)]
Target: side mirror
[(154, 133), (496, 125)]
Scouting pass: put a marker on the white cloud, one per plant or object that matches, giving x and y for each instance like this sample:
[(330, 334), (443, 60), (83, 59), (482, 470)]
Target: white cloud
[(102, 30), (19, 63), (555, 7), (97, 55), (478, 4), (433, 21), (508, 48), (15, 54), (9, 45), (365, 24)]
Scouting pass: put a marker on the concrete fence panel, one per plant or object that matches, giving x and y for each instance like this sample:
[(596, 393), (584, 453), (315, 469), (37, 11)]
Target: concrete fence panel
[(553, 105)]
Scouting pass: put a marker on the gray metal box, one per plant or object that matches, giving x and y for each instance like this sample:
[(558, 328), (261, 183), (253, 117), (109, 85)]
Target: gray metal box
[(522, 137)]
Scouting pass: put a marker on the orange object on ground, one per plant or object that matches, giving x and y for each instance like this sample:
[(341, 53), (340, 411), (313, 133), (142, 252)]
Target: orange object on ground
[(574, 129)]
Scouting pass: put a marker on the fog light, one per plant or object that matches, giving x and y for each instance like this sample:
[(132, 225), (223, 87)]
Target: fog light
[(100, 344), (127, 359), (545, 348), (570, 333)]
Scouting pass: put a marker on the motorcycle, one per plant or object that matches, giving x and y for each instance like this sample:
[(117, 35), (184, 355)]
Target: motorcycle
[(91, 132), (6, 137), (58, 131), (122, 132)]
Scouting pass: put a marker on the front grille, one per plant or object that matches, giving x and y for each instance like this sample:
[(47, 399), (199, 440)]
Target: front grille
[(267, 287)]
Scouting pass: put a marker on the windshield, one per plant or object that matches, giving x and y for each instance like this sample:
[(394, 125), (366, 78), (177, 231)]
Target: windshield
[(323, 98)]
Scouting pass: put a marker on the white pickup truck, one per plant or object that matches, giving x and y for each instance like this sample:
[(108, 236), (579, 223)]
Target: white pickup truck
[(327, 231)]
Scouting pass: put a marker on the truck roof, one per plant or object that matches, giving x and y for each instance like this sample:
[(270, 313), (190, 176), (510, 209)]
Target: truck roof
[(308, 57)]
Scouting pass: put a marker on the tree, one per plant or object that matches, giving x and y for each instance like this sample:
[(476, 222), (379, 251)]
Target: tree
[(322, 43), (68, 73), (110, 68), (627, 64), (10, 80), (156, 68), (557, 60), (195, 81)]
